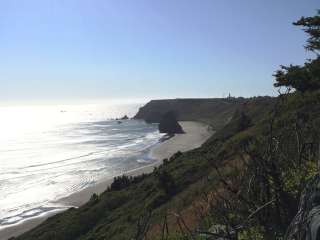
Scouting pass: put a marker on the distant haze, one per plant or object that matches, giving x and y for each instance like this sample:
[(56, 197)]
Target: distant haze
[(57, 50)]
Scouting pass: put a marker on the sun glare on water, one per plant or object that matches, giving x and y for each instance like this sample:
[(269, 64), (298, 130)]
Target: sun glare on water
[(49, 152), (17, 121)]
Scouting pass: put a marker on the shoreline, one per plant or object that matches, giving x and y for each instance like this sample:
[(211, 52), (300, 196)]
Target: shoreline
[(195, 135)]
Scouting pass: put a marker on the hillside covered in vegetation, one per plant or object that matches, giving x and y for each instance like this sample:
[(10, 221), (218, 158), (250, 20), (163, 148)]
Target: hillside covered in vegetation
[(245, 182), (215, 111), (243, 167)]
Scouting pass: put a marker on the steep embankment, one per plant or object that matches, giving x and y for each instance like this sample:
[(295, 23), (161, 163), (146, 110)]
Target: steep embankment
[(164, 200)]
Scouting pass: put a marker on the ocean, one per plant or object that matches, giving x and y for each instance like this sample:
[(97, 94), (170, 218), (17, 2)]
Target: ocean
[(51, 152)]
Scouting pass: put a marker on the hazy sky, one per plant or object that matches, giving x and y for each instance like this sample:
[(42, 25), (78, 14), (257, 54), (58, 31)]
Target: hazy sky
[(90, 49)]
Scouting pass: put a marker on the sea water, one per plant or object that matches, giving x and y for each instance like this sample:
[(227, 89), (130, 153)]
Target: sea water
[(50, 152)]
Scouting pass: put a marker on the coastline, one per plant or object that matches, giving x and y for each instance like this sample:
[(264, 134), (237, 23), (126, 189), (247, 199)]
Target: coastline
[(195, 135)]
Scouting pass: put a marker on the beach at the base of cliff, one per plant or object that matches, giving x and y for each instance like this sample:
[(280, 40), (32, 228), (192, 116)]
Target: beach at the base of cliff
[(195, 135)]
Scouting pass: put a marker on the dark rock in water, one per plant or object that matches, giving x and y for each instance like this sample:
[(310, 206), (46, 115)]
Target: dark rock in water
[(306, 224), (125, 117), (169, 124)]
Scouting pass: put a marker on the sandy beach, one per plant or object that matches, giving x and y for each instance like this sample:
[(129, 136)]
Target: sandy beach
[(195, 135)]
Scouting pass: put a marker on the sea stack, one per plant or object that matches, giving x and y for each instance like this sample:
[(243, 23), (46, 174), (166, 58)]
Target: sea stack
[(169, 124), (125, 117)]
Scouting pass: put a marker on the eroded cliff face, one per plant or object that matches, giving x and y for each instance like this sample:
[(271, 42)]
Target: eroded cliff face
[(306, 224)]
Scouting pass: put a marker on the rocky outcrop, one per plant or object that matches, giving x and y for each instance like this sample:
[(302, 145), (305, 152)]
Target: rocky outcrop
[(125, 117), (306, 224), (169, 124)]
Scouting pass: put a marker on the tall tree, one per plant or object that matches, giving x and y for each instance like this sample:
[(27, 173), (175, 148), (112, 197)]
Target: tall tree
[(306, 77), (311, 25)]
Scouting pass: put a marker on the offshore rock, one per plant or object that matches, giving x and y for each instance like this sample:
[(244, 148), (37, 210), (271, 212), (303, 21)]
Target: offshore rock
[(169, 124)]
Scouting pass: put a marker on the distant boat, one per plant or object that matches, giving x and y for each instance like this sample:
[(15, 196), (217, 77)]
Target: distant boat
[(119, 122)]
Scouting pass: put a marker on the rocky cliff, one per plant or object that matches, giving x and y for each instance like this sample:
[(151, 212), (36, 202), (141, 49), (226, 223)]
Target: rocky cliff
[(306, 224)]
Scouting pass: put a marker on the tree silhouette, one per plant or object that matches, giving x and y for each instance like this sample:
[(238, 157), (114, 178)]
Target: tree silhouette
[(306, 77)]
